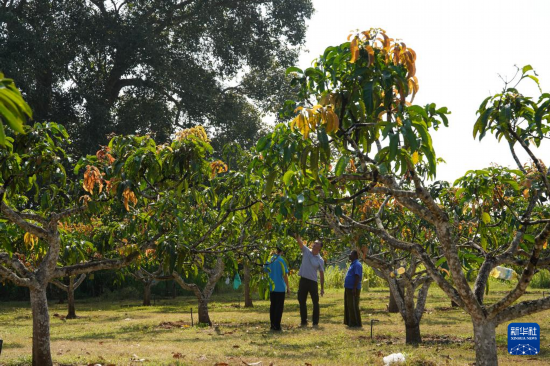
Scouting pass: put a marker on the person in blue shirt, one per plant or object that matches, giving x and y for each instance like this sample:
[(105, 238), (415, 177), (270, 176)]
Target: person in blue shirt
[(352, 288), (278, 273)]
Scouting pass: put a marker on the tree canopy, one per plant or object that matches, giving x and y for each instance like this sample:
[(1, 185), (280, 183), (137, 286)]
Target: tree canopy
[(150, 66)]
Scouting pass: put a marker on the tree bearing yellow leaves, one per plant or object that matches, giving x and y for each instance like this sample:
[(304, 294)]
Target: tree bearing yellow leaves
[(92, 176), (197, 132), (129, 197)]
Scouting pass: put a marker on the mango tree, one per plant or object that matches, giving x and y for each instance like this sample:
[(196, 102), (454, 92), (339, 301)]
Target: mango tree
[(38, 198), (179, 192), (355, 113), (408, 281)]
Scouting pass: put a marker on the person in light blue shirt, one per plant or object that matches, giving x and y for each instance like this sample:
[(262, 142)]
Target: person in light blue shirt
[(278, 273), (352, 290)]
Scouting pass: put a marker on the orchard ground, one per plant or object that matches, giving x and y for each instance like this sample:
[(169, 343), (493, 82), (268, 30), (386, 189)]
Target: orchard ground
[(122, 333)]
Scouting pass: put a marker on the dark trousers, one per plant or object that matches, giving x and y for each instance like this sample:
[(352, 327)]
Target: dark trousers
[(308, 287), (276, 309), (352, 314)]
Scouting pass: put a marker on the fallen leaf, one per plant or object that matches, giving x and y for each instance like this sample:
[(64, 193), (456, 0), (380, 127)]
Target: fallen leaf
[(177, 355), (221, 364), (253, 363), (236, 346)]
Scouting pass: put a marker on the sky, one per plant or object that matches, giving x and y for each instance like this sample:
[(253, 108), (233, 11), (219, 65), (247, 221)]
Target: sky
[(462, 47)]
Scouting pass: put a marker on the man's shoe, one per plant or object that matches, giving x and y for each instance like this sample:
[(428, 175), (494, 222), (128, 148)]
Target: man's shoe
[(303, 325)]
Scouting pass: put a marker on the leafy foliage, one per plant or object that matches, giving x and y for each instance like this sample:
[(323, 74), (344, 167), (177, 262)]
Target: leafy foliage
[(151, 66)]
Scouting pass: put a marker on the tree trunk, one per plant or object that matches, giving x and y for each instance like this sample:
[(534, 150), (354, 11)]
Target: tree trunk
[(41, 354), (454, 304), (485, 343), (246, 285), (70, 295), (203, 311), (413, 333), (147, 293), (392, 306)]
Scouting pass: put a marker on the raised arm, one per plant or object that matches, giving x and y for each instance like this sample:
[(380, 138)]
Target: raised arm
[(299, 240)]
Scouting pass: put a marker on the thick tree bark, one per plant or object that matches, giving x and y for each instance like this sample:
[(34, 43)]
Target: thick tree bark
[(41, 354), (485, 343), (70, 295), (204, 318), (413, 333), (392, 306), (246, 284), (147, 293)]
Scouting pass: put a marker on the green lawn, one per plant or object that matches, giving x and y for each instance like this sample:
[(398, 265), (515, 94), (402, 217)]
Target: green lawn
[(115, 333)]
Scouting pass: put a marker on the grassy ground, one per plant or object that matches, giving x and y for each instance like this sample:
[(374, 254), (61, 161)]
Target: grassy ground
[(123, 334)]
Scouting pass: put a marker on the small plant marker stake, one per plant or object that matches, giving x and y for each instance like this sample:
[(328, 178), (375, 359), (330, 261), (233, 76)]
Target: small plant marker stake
[(372, 321), (192, 317)]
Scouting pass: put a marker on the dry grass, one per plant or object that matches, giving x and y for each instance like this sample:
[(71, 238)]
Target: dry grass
[(113, 333)]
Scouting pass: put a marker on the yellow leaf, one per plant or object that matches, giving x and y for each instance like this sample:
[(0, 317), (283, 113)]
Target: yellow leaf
[(370, 51), (29, 238), (129, 196), (332, 121), (354, 49), (415, 158), (545, 245), (526, 193)]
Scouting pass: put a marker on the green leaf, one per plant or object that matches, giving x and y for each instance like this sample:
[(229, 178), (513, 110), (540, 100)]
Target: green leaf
[(262, 143), (528, 237), (341, 165), (481, 123), (485, 217), (303, 158), (394, 139), (288, 176), (526, 68), (314, 161), (2, 135), (368, 97), (440, 261), (293, 69), (483, 242), (269, 182)]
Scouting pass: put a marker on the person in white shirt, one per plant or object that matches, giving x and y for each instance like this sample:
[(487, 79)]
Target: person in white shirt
[(311, 264)]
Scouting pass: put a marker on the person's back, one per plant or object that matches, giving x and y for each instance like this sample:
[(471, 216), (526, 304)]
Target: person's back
[(278, 270)]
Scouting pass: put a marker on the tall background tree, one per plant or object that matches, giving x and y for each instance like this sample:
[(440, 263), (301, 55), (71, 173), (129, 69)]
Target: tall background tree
[(151, 66)]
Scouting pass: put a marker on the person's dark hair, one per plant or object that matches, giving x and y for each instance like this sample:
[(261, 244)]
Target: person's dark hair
[(280, 251), (354, 252)]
